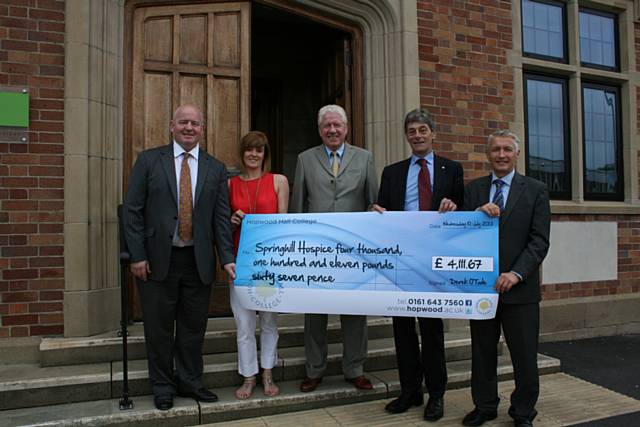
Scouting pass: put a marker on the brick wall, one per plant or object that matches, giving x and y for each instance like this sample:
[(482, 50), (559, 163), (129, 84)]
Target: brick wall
[(32, 174), (465, 81)]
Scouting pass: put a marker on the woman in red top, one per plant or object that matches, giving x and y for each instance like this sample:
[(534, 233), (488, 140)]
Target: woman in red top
[(255, 191)]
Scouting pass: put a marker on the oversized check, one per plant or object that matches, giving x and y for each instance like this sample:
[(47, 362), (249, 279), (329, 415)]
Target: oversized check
[(424, 264)]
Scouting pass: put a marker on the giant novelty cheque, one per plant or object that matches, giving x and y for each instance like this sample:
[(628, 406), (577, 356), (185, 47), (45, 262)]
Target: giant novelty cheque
[(424, 264)]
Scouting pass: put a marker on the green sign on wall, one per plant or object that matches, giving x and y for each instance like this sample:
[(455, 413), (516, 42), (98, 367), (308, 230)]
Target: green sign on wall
[(14, 109)]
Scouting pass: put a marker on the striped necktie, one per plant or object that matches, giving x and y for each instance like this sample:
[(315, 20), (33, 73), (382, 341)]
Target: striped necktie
[(498, 197)]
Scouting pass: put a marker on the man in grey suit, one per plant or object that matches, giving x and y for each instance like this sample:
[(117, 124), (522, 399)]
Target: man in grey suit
[(522, 204), (176, 211), (334, 177)]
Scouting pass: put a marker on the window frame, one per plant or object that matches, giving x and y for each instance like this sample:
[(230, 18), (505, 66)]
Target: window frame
[(619, 195), (565, 48), (527, 75), (616, 39)]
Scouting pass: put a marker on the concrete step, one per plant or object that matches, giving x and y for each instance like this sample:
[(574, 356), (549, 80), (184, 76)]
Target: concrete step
[(332, 392), (219, 338), (32, 385)]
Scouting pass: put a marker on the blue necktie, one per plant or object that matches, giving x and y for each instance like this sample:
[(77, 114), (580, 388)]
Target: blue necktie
[(498, 198)]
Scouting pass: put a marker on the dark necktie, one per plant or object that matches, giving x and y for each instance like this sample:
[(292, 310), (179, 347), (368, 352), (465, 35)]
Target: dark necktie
[(186, 201), (424, 186), (498, 198)]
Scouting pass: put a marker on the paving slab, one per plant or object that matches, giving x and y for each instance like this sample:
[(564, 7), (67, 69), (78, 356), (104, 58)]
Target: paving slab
[(564, 400)]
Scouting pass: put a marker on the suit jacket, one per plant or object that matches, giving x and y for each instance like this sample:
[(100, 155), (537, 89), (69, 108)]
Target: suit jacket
[(315, 189), (151, 213), (448, 181), (524, 232)]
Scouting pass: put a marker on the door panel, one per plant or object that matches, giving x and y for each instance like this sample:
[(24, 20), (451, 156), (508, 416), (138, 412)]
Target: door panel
[(191, 54)]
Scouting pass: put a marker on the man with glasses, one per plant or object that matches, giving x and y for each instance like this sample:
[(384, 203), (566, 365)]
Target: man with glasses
[(176, 211)]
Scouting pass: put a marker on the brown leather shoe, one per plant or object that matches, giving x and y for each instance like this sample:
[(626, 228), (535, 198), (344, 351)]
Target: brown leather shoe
[(360, 382), (310, 384)]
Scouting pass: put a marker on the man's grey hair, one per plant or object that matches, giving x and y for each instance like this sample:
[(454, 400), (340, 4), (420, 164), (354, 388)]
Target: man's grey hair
[(419, 115), (503, 133), (332, 108)]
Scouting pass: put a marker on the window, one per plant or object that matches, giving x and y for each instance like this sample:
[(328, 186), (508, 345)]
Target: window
[(598, 41), (547, 148), (543, 29), (568, 87), (601, 139)]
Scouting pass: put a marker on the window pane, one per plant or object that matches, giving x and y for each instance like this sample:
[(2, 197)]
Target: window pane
[(543, 29), (597, 39), (601, 145), (546, 136)]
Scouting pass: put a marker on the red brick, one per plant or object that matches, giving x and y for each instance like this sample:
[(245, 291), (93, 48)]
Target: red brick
[(20, 182), (51, 272), (46, 239), (18, 240), (30, 273), (53, 60), (46, 15), (47, 330), (46, 148), (51, 4), (51, 183), (46, 262), (19, 159), (50, 228), (18, 228), (17, 263), (18, 193), (45, 307), (18, 11), (51, 318), (56, 138), (51, 295), (43, 36), (38, 194), (24, 319), (19, 45), (48, 284), (18, 251), (18, 308), (42, 126), (18, 68), (51, 250), (51, 48), (52, 160), (19, 205), (51, 26), (46, 171), (19, 332)]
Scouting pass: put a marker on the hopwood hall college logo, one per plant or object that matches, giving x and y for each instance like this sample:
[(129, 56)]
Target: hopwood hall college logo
[(265, 295), (484, 306)]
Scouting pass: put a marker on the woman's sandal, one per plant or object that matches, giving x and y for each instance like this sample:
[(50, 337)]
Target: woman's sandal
[(244, 391), (270, 388)]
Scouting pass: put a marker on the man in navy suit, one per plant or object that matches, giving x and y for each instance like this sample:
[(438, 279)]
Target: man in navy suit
[(522, 204), (176, 212), (422, 182)]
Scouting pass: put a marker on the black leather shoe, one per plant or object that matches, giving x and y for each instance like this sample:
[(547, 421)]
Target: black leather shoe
[(522, 423), (201, 395), (163, 402), (477, 418), (404, 402), (434, 410)]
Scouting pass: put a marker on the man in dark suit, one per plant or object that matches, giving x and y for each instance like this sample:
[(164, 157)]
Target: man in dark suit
[(334, 177), (422, 182), (522, 203), (176, 211)]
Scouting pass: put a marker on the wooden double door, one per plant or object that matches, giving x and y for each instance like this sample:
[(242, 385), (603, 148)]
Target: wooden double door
[(247, 65)]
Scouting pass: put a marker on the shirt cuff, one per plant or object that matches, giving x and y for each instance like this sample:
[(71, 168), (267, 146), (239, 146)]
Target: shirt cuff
[(517, 275)]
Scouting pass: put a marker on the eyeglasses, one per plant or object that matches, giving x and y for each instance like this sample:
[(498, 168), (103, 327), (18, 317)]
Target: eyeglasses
[(194, 123)]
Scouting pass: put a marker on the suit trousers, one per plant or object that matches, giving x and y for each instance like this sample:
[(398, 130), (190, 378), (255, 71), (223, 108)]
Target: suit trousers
[(520, 323), (354, 344), (247, 349), (175, 313), (415, 363)]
